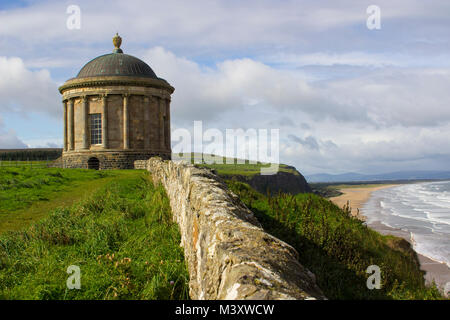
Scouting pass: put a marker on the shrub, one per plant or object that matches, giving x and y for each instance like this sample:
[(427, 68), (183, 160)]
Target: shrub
[(337, 247)]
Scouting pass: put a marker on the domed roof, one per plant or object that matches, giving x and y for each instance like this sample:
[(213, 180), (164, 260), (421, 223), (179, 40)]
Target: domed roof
[(117, 64)]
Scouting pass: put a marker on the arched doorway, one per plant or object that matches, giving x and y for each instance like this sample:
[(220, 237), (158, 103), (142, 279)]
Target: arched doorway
[(93, 163)]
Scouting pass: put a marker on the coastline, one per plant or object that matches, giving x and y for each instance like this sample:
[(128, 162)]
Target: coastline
[(357, 196)]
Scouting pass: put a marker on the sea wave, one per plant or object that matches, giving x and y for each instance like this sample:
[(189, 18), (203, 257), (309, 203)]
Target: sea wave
[(422, 209)]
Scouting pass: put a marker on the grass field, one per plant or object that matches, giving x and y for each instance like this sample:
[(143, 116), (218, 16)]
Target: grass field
[(29, 194), (121, 236), (338, 249)]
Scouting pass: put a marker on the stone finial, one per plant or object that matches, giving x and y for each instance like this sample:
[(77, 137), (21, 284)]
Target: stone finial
[(117, 41)]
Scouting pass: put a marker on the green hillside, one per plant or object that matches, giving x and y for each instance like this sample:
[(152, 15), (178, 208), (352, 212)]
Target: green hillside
[(337, 248)]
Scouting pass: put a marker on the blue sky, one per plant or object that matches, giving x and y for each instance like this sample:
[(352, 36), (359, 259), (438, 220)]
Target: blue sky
[(344, 97)]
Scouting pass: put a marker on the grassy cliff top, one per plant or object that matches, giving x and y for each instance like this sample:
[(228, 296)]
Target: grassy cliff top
[(233, 166)]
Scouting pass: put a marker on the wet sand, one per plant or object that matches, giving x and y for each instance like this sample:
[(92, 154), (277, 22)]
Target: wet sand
[(357, 196)]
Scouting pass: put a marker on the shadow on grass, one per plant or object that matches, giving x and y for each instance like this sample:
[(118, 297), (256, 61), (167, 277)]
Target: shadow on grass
[(336, 280)]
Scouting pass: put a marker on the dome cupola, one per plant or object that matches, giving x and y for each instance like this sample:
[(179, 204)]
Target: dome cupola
[(116, 64)]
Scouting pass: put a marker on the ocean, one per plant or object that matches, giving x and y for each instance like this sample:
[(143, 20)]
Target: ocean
[(422, 209)]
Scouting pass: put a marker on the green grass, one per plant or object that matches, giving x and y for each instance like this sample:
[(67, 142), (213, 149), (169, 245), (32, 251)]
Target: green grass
[(246, 169), (234, 166), (122, 237), (338, 248), (20, 187), (28, 194)]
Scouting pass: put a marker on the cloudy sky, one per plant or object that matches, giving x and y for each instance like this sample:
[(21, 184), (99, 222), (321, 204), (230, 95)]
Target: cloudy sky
[(344, 97)]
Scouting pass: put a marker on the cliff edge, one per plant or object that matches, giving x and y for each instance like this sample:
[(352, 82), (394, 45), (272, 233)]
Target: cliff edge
[(291, 181)]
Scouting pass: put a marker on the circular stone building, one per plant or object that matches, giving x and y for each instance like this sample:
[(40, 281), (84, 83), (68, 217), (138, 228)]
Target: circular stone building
[(116, 111)]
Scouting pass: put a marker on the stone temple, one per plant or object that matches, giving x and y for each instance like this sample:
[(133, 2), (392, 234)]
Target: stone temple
[(116, 111)]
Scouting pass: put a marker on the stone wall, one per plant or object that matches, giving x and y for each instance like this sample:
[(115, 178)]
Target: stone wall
[(229, 255)]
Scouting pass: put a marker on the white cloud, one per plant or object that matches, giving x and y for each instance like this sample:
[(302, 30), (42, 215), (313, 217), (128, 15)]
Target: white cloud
[(9, 139), (23, 90), (44, 142), (387, 97), (371, 150), (396, 96), (384, 118), (211, 27), (207, 93), (24, 93)]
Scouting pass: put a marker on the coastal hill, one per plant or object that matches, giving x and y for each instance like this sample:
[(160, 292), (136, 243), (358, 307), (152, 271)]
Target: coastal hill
[(287, 179)]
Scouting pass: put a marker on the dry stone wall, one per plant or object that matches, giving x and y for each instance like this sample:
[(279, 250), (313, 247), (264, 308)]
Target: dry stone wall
[(229, 255)]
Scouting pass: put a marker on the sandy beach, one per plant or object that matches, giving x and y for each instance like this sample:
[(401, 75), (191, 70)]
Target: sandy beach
[(357, 196)]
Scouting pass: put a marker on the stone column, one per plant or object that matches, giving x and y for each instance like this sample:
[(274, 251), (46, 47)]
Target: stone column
[(85, 121), (71, 135), (162, 107), (104, 121), (65, 124), (146, 125), (168, 124), (126, 141)]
